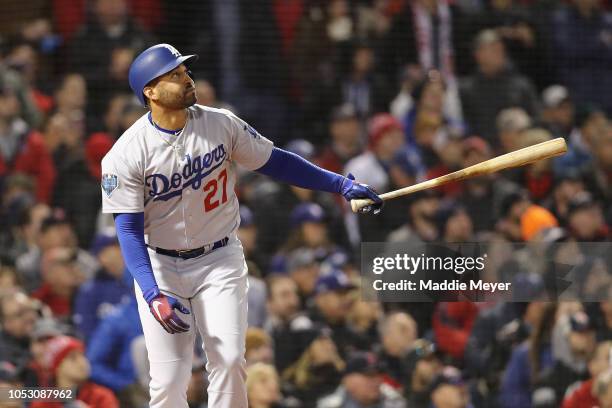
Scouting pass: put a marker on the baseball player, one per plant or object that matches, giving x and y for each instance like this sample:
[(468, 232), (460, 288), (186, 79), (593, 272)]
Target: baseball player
[(169, 183)]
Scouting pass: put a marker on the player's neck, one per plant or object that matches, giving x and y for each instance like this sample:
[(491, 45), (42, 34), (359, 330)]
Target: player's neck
[(169, 119)]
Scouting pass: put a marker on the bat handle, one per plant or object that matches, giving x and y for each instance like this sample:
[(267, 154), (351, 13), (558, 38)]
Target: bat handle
[(359, 203)]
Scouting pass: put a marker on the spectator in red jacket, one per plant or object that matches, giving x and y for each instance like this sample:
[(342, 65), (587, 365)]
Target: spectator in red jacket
[(582, 396), (70, 369), (22, 150), (452, 324)]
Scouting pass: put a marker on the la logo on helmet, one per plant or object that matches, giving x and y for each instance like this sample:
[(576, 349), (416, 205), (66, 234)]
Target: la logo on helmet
[(173, 50)]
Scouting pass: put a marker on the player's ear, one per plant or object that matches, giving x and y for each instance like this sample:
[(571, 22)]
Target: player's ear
[(149, 92)]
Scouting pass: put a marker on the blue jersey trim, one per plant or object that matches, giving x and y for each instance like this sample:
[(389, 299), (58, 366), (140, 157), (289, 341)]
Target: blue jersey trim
[(161, 129)]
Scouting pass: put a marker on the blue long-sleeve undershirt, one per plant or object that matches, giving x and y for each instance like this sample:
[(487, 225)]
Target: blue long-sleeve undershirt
[(130, 233), (282, 165), (293, 169)]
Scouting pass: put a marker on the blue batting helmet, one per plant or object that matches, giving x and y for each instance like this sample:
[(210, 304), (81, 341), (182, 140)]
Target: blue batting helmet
[(152, 63)]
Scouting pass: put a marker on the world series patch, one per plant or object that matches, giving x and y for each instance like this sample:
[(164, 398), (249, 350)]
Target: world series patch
[(110, 182)]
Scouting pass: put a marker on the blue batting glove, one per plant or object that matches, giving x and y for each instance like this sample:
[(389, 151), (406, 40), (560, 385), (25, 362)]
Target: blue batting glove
[(163, 308), (352, 190)]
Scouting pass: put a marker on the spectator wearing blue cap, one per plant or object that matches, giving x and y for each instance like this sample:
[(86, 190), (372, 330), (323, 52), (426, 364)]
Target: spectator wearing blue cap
[(310, 232), (272, 211), (99, 296), (316, 366), (454, 223), (333, 298)]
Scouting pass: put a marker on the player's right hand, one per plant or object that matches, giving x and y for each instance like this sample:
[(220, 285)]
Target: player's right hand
[(163, 309)]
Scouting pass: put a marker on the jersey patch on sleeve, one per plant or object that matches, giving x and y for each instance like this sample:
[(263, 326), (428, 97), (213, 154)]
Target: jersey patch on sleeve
[(251, 130), (110, 182)]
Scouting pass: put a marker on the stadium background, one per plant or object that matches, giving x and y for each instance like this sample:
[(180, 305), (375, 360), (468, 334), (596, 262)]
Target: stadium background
[(394, 91)]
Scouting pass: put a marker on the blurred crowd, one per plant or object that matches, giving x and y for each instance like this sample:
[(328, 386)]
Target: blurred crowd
[(393, 91)]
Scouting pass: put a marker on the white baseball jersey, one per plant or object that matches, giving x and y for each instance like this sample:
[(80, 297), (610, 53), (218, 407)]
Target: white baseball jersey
[(183, 183)]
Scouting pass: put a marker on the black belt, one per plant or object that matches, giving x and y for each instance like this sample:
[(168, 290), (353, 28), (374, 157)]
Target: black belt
[(193, 253)]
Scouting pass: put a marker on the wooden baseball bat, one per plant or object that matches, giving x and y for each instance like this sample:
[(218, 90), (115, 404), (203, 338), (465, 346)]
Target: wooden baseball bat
[(517, 158)]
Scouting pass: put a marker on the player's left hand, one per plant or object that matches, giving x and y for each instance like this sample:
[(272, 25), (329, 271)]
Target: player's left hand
[(351, 190), (163, 309)]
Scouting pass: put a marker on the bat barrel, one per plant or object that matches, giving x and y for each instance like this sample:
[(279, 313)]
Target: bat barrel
[(527, 155)]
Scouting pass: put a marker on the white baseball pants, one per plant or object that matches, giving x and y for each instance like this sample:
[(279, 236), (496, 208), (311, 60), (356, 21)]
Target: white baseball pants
[(214, 287)]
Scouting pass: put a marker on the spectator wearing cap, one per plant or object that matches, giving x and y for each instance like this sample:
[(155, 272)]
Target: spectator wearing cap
[(557, 111), (582, 396), (362, 386), (422, 367), (578, 33), (332, 302), (263, 386), (23, 150), (316, 367), (310, 232), (510, 123), (449, 390), (511, 208), (65, 359), (398, 332), (454, 223), (585, 220), (109, 350), (45, 329), (345, 141), (574, 347), (591, 124), (96, 298), (493, 87), (386, 138), (18, 314), (534, 221), (61, 278)]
